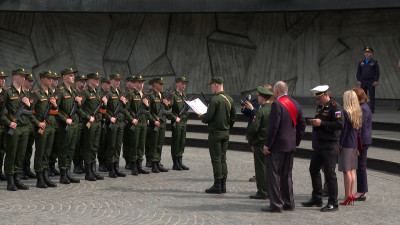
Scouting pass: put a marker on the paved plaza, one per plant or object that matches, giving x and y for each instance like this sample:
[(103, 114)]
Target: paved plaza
[(178, 197)]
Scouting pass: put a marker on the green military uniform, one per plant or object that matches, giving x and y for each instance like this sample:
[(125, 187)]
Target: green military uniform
[(157, 136), (2, 134), (101, 153), (148, 134), (16, 143), (220, 117), (256, 134), (91, 131), (57, 139), (178, 129)]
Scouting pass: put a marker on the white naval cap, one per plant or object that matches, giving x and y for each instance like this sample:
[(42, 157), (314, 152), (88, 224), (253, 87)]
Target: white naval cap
[(318, 91)]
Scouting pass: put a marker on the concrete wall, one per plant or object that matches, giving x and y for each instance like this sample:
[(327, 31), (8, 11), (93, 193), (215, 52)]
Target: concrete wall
[(247, 49)]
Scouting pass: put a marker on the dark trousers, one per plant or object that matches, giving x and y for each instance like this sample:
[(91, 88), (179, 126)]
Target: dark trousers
[(279, 167), (67, 145), (362, 183), (102, 152), (327, 158), (91, 142), (217, 145), (29, 147), (178, 139), (114, 141), (156, 142), (259, 165), (368, 86), (15, 150)]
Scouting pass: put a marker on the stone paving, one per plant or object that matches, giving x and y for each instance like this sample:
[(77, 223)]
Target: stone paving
[(178, 197)]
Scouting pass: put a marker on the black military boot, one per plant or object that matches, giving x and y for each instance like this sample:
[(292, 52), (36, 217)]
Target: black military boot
[(149, 163), (77, 167), (134, 169), (176, 165), (117, 171), (161, 168), (70, 177), (128, 165), (111, 170), (2, 176), (47, 180), (223, 185), (29, 172), (89, 174), (18, 183), (181, 164), (24, 176), (63, 177), (95, 174), (154, 168), (216, 188), (140, 168), (10, 183), (102, 167), (53, 170), (40, 182)]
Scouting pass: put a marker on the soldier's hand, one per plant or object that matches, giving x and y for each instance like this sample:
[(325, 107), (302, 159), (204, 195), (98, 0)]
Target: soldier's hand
[(104, 99), (13, 125), (359, 83), (252, 148), (165, 101), (91, 120), (266, 151), (25, 100), (199, 115), (146, 102), (42, 125), (135, 121), (315, 122), (53, 101), (157, 123), (123, 100), (178, 119), (68, 121), (148, 122), (376, 83), (113, 119), (78, 99), (249, 105)]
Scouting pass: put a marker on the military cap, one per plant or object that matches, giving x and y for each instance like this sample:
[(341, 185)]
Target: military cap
[(217, 80), (46, 74), (159, 80), (368, 49), (263, 91), (29, 77), (135, 78), (80, 77), (67, 71), (320, 90), (93, 76), (181, 79), (2, 74), (20, 71), (54, 76), (105, 79), (115, 76)]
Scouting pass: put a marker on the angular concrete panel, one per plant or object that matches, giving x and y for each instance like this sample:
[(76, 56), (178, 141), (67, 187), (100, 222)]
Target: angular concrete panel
[(234, 23), (160, 67), (18, 22)]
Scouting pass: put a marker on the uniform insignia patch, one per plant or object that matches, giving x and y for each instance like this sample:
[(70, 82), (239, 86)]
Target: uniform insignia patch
[(156, 100), (114, 97), (92, 97), (14, 98), (136, 99), (43, 99), (338, 114), (179, 100), (68, 96), (61, 87)]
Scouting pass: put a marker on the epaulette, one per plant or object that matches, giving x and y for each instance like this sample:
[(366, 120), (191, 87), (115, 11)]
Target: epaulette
[(61, 87), (35, 91)]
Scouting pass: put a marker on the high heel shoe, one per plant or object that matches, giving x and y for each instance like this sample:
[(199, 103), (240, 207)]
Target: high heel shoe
[(348, 200)]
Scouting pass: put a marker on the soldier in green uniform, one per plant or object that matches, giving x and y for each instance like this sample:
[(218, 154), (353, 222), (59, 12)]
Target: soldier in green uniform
[(157, 125), (80, 84), (68, 101), (92, 100), (16, 143), (135, 139), (148, 135), (57, 136), (101, 153), (220, 117), (116, 132), (2, 128), (44, 107), (256, 136), (178, 123), (27, 173)]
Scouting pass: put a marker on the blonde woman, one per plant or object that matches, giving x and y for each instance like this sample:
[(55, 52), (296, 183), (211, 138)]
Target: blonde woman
[(348, 155)]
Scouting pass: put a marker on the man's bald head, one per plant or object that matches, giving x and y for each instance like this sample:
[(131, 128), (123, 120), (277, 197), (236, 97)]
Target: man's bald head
[(280, 88)]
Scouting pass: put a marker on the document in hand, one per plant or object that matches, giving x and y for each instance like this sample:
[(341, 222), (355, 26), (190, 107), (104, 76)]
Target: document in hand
[(197, 105)]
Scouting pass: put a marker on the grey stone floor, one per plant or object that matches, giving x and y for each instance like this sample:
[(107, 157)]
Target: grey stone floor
[(178, 198)]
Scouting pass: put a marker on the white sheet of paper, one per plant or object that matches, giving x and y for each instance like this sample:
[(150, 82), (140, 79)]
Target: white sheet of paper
[(197, 105)]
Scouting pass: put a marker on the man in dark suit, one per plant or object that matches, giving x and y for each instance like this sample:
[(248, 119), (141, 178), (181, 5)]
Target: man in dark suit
[(285, 131)]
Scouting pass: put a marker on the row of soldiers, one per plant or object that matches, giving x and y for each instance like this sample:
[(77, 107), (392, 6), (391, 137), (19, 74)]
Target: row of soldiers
[(77, 122)]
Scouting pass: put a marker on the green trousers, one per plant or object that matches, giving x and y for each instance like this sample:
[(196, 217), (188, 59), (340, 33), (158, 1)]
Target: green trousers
[(135, 143), (178, 139), (15, 150), (156, 142), (101, 154), (29, 147), (91, 138), (125, 143), (148, 141), (43, 147), (67, 145), (79, 148), (55, 149), (218, 144), (259, 165), (114, 141)]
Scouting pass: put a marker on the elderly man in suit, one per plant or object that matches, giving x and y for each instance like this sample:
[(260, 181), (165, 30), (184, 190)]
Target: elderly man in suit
[(285, 131)]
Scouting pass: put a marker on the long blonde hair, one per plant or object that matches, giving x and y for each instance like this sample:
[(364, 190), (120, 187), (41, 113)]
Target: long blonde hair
[(353, 109)]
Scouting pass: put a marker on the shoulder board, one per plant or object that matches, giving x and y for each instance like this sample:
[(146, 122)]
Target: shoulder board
[(61, 87), (35, 91)]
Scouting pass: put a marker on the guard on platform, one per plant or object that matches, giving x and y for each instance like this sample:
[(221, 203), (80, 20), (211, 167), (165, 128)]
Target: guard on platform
[(3, 127)]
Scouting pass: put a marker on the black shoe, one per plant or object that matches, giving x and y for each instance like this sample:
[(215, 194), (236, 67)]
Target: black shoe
[(63, 177), (288, 208), (111, 170), (176, 165), (361, 198), (77, 167), (134, 168), (257, 196), (140, 168), (312, 203), (89, 174), (102, 167), (330, 208), (95, 174), (148, 163), (154, 168), (18, 183), (253, 179), (223, 185), (54, 170), (47, 180), (117, 171), (128, 165), (27, 170), (40, 182), (181, 164), (70, 177), (10, 183), (216, 188), (271, 210), (161, 167)]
